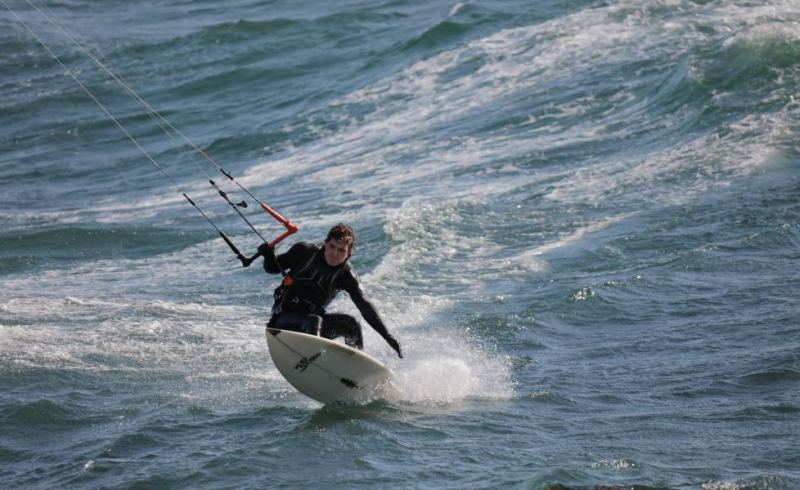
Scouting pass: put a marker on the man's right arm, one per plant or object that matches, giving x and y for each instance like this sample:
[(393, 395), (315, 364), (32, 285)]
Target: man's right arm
[(282, 262)]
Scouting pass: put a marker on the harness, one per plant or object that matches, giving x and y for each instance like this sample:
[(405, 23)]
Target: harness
[(308, 290)]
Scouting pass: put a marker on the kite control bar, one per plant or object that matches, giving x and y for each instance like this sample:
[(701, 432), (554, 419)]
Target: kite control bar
[(291, 229)]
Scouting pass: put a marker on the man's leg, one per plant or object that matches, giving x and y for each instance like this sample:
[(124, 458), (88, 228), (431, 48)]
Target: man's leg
[(297, 322), (339, 325)]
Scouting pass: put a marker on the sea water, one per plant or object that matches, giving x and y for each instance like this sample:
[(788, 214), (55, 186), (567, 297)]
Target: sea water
[(578, 217)]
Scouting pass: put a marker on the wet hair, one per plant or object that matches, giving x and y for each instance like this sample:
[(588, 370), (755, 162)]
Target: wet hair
[(344, 233)]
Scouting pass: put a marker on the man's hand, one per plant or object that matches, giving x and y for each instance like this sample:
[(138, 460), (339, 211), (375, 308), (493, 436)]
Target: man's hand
[(394, 344), (265, 250)]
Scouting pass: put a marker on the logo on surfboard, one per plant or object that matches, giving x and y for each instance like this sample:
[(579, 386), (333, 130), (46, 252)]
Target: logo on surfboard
[(303, 363)]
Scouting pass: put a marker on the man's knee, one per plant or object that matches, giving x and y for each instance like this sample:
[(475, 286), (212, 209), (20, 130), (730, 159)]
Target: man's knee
[(341, 325), (310, 324), (350, 329), (313, 325)]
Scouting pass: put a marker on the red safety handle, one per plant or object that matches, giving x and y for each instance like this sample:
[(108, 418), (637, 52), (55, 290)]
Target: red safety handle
[(291, 228)]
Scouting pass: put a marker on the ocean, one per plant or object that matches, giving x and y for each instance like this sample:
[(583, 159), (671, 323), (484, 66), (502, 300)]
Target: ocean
[(580, 219)]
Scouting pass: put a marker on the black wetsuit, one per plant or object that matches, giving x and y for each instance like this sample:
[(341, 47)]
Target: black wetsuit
[(301, 306)]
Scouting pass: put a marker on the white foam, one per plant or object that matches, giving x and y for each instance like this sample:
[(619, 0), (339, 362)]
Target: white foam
[(616, 464), (458, 7), (444, 368), (763, 32), (443, 364), (410, 105), (144, 317), (580, 233)]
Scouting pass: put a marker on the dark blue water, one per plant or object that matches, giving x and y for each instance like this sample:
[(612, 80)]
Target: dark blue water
[(579, 218)]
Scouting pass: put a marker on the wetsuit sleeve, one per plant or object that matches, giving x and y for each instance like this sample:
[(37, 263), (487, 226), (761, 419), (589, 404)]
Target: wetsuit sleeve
[(284, 261), (353, 287)]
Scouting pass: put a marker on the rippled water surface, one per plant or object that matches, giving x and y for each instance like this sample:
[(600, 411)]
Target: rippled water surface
[(579, 218)]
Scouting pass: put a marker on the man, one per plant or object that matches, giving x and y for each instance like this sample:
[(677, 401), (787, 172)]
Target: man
[(315, 276)]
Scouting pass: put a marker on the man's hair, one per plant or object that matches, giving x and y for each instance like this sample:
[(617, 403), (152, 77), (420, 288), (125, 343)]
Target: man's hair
[(344, 233)]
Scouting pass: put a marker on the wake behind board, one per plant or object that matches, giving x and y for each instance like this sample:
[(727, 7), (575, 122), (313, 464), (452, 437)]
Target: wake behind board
[(325, 370)]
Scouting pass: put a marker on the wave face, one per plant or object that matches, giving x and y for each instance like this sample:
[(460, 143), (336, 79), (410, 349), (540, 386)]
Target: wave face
[(579, 218)]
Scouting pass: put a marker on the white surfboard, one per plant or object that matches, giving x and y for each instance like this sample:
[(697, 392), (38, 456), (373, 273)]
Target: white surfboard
[(325, 370)]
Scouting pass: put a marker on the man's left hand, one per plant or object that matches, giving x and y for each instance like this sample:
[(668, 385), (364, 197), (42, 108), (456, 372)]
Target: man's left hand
[(394, 344)]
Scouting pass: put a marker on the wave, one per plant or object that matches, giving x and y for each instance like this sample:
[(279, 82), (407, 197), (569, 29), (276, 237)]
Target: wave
[(534, 86), (785, 375), (26, 250), (40, 413), (440, 35), (659, 111)]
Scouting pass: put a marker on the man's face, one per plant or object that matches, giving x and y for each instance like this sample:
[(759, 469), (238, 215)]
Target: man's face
[(336, 252)]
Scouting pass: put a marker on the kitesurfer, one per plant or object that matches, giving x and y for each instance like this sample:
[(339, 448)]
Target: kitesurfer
[(315, 276)]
